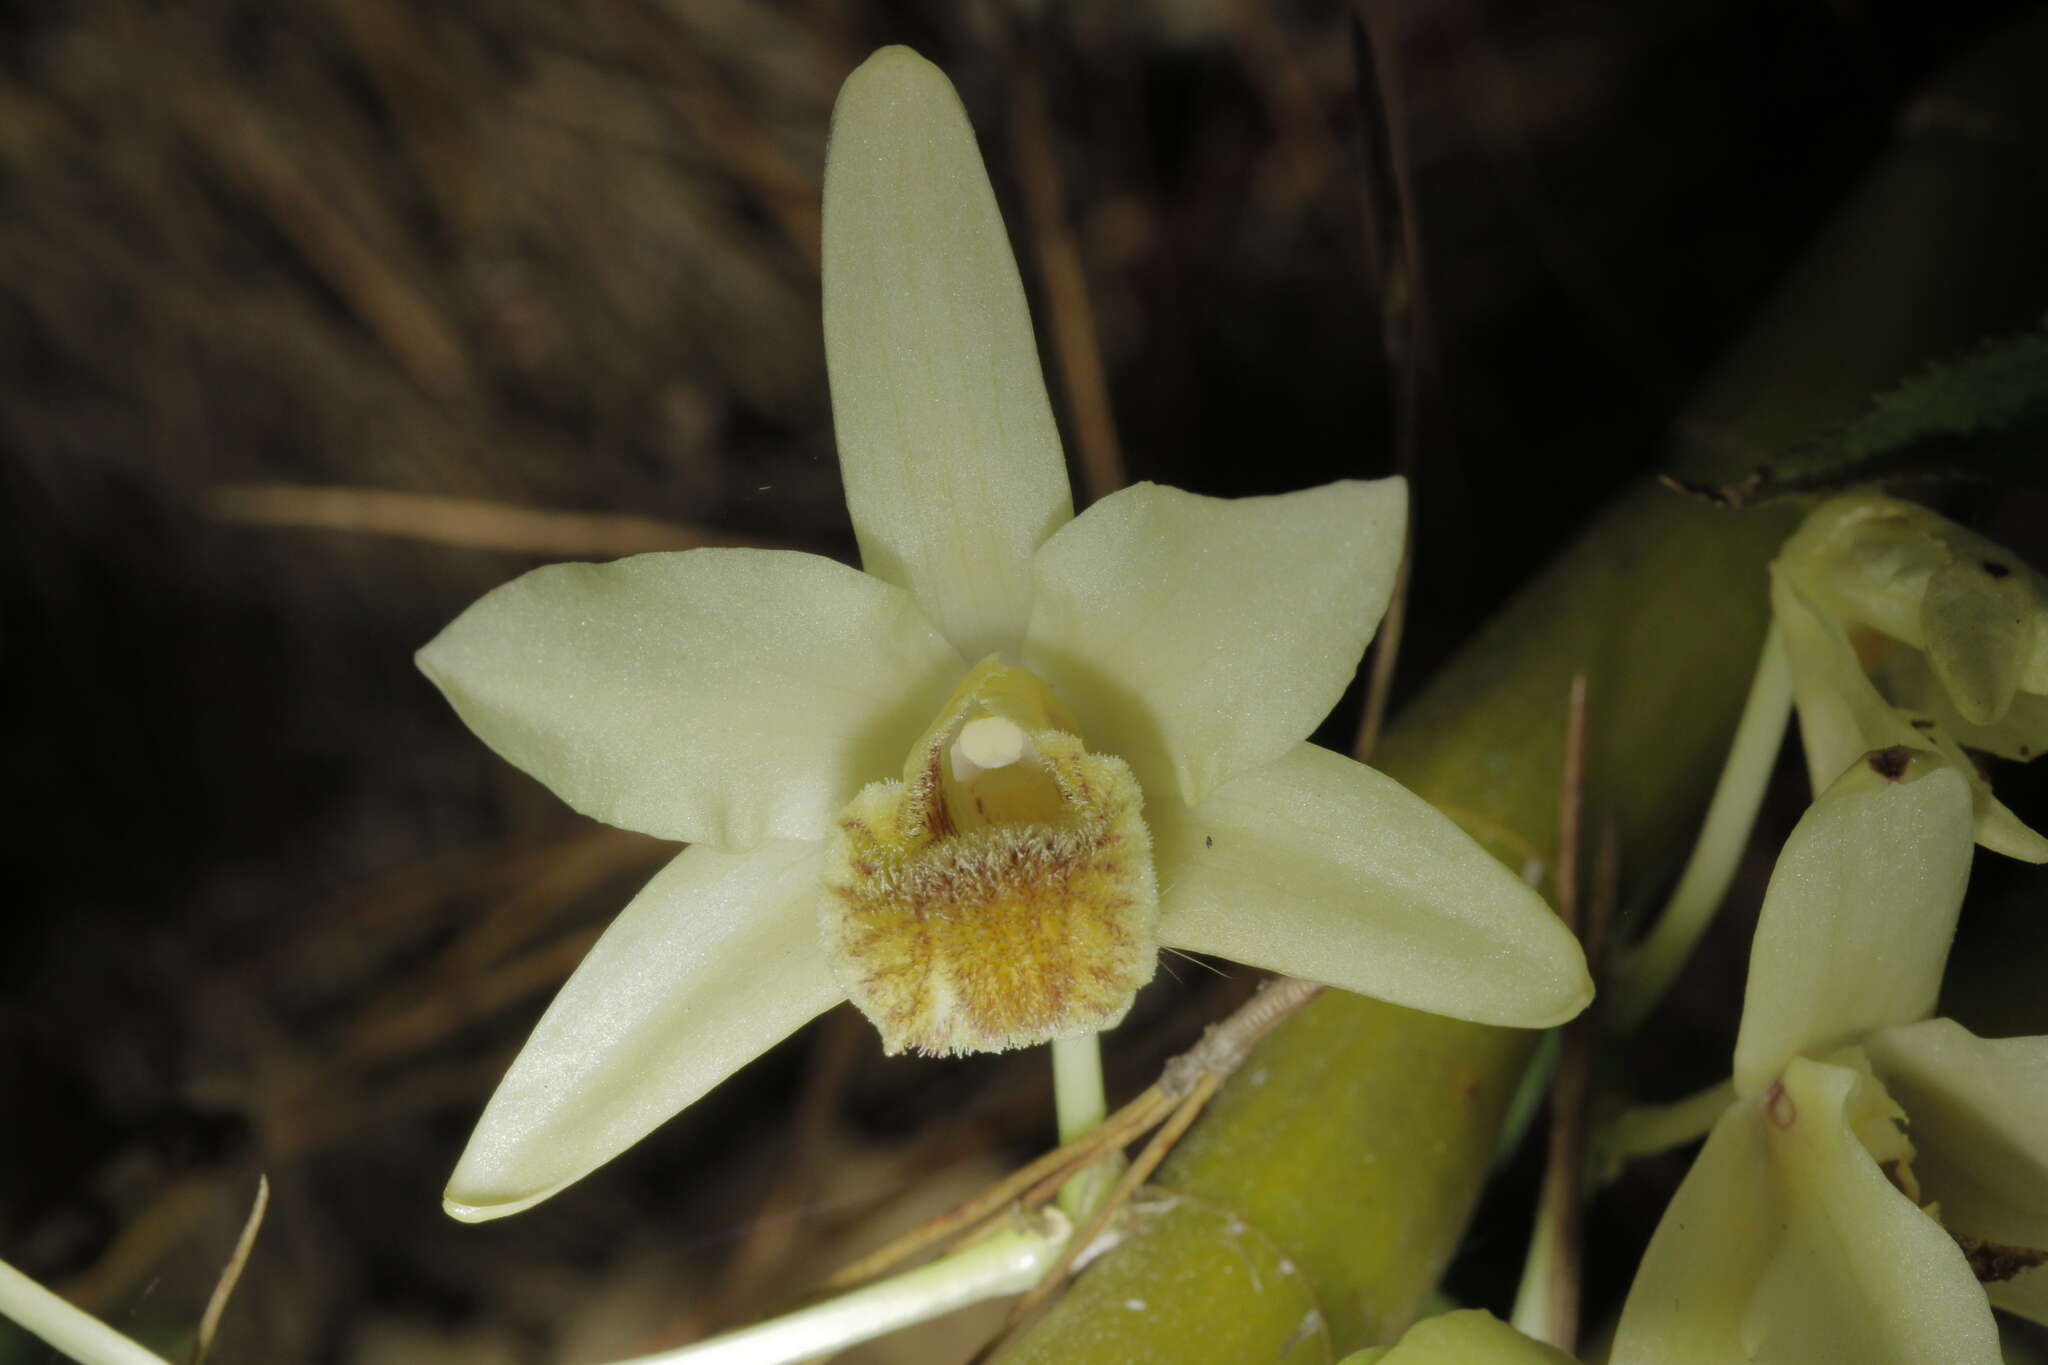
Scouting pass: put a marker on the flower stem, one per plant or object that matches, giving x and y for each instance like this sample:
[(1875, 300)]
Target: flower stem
[(73, 1331), (1533, 1308), (1010, 1262), (1081, 1103), (1646, 971)]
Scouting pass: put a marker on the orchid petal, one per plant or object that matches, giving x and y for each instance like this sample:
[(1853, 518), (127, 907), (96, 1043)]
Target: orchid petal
[(1868, 557), (1203, 637), (1841, 715), (714, 962), (1862, 1276), (1908, 682), (947, 445), (1857, 921), (721, 696), (1467, 1335), (1999, 830), (1703, 1262), (1873, 560), (1979, 1109), (1978, 620), (1321, 868)]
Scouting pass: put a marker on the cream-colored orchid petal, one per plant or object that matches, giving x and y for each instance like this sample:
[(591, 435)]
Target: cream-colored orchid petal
[(1979, 1114), (1856, 924), (1867, 557), (1999, 830), (1871, 558), (1978, 621), (1919, 700), (1469, 1335), (1701, 1269), (1321, 868), (1202, 637), (2022, 734), (717, 696), (946, 439), (1904, 678), (1861, 1275), (714, 962), (1841, 714)]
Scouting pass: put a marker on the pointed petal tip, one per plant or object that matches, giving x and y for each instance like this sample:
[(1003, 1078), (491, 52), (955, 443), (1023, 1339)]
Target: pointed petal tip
[(2000, 831), (896, 73), (463, 1211), (1576, 1004), (896, 61)]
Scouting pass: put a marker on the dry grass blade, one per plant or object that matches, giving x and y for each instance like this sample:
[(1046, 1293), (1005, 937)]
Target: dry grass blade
[(1076, 344), (1562, 1203), (785, 193), (1392, 246), (401, 315), (1198, 1070), (466, 523), (1184, 1114), (1386, 652), (1034, 1183), (231, 1273)]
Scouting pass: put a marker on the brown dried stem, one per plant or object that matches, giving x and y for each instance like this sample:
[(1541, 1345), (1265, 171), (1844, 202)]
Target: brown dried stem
[(1221, 1050), (1076, 345), (467, 523), (231, 1273), (1033, 1183), (1562, 1206)]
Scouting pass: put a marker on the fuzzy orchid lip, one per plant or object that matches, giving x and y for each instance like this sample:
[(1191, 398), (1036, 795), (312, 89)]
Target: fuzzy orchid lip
[(1003, 892), (741, 699), (1826, 1216)]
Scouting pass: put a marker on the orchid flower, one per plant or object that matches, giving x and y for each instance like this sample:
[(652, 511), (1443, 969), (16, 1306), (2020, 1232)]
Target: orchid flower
[(975, 788), (1880, 1172), (1464, 1336), (1905, 628)]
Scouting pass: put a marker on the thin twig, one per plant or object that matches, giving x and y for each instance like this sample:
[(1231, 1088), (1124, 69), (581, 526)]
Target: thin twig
[(1192, 1079), (1222, 1050), (773, 1235), (1170, 1132), (1077, 346), (1561, 1207), (720, 122), (1392, 240), (1021, 1185), (468, 523), (396, 1025), (231, 1273), (1386, 652), (396, 308), (1571, 804)]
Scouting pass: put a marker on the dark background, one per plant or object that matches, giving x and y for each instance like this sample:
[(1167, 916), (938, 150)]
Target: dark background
[(274, 909)]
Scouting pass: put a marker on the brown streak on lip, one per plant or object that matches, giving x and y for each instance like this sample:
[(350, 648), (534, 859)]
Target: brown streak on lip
[(1890, 764)]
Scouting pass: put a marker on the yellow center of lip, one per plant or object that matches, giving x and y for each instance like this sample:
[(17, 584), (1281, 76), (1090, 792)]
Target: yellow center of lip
[(1001, 893)]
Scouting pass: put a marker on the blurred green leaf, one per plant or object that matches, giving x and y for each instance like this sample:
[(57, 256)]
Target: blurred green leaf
[(1983, 417)]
